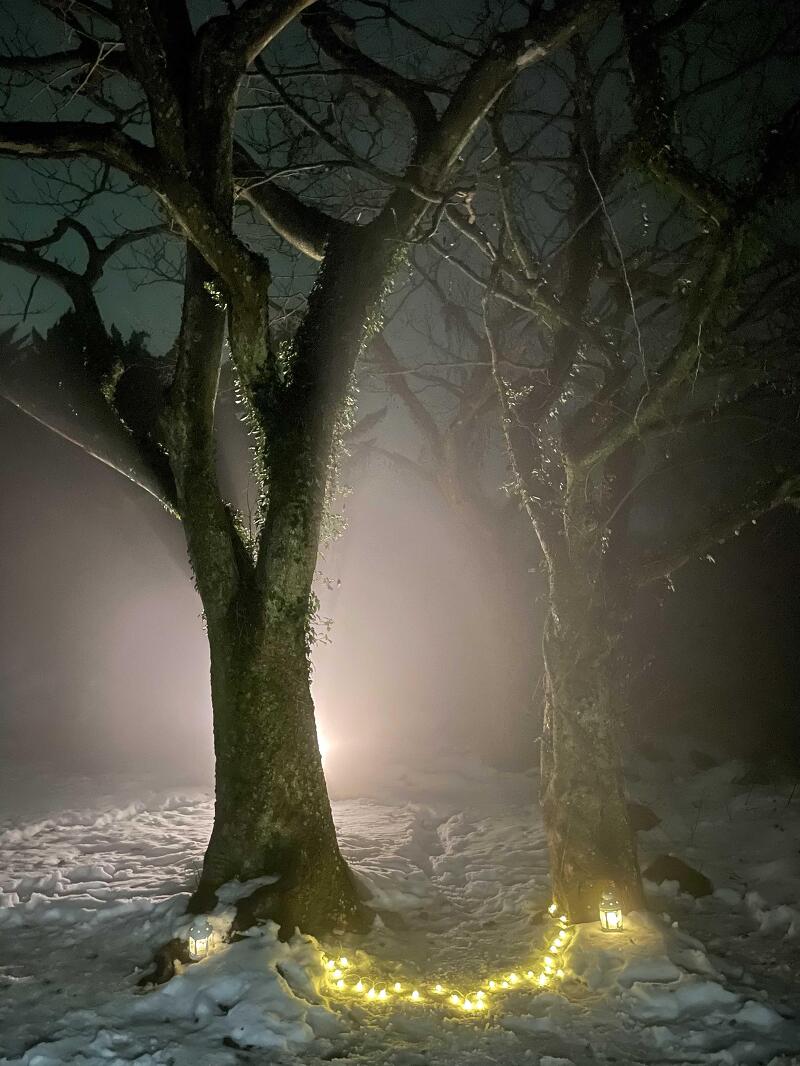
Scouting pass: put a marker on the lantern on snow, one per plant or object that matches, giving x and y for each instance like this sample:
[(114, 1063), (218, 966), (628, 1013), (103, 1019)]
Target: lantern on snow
[(610, 911), (201, 938)]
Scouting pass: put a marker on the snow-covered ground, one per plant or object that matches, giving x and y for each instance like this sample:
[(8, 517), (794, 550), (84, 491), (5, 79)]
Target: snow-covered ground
[(94, 873)]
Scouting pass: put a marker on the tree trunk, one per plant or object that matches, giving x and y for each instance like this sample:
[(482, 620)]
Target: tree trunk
[(272, 812), (583, 791)]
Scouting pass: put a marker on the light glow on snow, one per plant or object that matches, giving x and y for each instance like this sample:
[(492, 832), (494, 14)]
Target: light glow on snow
[(96, 875), (539, 977)]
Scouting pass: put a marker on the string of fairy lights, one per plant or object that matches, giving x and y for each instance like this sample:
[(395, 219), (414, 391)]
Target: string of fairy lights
[(344, 978)]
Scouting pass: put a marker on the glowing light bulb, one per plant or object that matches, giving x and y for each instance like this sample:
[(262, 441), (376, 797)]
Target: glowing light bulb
[(553, 908), (492, 985), (554, 948), (360, 986), (344, 961), (371, 994), (201, 938), (340, 983), (398, 987), (415, 995), (543, 979), (559, 973), (513, 978), (563, 918), (480, 995), (504, 984), (529, 974), (467, 1004), (455, 1000), (438, 990), (330, 965), (382, 994), (336, 974), (610, 911)]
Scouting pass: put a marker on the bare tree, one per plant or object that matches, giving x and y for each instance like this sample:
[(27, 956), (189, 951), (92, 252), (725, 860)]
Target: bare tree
[(287, 112), (638, 292)]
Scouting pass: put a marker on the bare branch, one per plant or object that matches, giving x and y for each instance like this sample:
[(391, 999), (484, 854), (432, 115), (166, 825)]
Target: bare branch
[(720, 527), (65, 140), (386, 360), (328, 28), (237, 39), (305, 227)]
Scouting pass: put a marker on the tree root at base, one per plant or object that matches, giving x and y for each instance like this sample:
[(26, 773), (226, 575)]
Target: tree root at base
[(265, 904)]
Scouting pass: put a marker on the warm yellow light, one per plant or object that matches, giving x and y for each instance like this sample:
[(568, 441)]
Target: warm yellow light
[(610, 917), (610, 911), (611, 920)]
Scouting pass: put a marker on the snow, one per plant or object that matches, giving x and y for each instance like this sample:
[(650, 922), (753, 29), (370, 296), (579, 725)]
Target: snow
[(95, 873)]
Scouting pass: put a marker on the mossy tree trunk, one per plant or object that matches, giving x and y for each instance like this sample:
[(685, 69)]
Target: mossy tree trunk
[(272, 811), (584, 801), (272, 814)]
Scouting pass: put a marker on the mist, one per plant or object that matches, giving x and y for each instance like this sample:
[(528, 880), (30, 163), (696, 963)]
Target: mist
[(105, 658)]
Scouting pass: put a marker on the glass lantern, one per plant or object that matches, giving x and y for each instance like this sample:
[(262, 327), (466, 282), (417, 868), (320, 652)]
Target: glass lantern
[(610, 911), (201, 938)]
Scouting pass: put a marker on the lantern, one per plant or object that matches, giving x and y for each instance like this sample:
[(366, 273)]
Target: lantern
[(610, 911), (201, 937)]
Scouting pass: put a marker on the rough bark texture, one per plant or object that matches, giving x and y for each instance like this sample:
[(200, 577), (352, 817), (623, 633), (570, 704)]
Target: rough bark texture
[(584, 802), (272, 813), (583, 792)]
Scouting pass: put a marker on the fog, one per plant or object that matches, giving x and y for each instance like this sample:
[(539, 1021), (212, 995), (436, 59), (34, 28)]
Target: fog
[(104, 656), (104, 661)]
